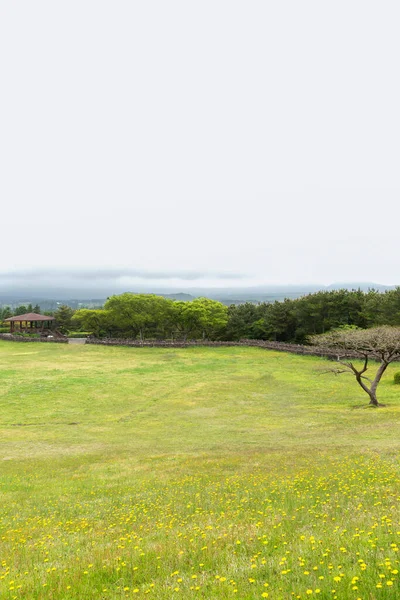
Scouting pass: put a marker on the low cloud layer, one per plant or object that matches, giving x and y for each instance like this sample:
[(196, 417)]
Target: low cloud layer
[(104, 281), (112, 274)]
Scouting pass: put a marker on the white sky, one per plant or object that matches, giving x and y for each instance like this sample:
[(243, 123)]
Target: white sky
[(259, 138)]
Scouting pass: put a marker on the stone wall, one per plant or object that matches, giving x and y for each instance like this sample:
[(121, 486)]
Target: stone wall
[(19, 338), (266, 345), (279, 346)]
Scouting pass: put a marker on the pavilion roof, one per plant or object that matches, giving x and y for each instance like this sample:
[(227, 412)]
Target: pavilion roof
[(30, 317)]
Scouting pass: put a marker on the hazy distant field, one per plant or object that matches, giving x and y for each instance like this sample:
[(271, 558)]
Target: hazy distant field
[(196, 473)]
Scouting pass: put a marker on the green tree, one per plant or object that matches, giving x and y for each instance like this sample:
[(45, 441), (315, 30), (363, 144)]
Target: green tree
[(5, 313), (20, 310), (63, 317), (214, 318), (391, 307), (97, 321), (241, 319), (278, 322), (372, 309), (201, 317), (137, 314)]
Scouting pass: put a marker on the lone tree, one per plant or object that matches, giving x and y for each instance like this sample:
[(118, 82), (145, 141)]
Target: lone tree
[(381, 344)]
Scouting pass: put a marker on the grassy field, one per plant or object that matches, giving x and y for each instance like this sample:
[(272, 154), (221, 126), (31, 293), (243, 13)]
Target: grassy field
[(195, 473)]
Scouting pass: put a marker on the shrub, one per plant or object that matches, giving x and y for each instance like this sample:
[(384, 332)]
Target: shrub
[(396, 378), (30, 335), (79, 334)]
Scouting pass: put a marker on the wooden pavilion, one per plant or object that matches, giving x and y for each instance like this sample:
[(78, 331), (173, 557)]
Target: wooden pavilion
[(31, 323)]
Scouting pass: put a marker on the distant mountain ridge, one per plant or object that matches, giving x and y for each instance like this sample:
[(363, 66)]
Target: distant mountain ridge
[(364, 286)]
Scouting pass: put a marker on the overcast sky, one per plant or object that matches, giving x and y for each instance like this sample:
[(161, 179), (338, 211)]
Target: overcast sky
[(215, 142)]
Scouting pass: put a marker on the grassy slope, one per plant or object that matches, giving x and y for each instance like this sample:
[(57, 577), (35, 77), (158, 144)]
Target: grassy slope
[(247, 471)]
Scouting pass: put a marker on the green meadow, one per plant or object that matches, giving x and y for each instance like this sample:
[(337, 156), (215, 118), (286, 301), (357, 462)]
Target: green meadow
[(210, 473)]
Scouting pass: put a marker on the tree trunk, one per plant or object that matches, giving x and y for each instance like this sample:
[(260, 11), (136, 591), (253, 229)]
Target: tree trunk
[(375, 383), (373, 400), (371, 391)]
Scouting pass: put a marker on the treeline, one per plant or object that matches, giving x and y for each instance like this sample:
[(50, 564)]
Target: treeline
[(147, 316), (7, 311), (63, 315), (295, 320)]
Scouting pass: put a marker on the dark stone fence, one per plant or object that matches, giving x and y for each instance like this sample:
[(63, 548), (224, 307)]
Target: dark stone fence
[(266, 345), (279, 346), (19, 338)]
